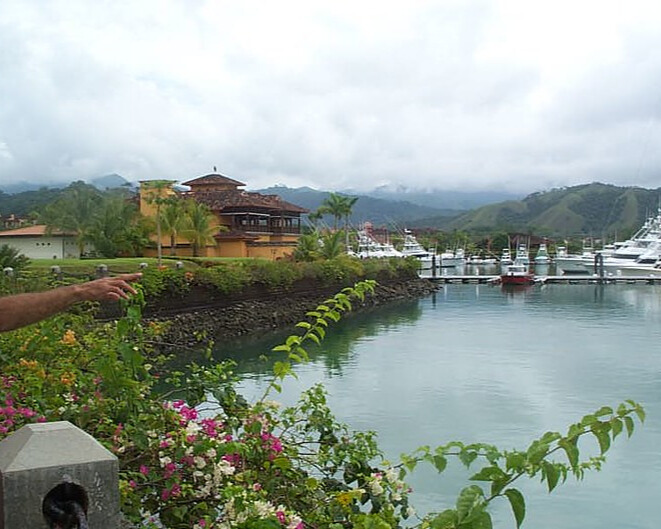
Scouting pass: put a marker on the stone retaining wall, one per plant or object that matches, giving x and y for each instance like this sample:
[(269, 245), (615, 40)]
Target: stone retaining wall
[(222, 317)]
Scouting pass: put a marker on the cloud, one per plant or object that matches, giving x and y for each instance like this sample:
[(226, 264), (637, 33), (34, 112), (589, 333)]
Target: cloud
[(449, 94)]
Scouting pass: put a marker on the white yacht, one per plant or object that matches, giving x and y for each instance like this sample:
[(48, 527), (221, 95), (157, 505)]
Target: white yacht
[(522, 256), (506, 257), (456, 258), (412, 248), (542, 256)]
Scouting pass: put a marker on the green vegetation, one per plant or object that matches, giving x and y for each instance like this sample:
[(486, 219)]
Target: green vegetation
[(250, 465)]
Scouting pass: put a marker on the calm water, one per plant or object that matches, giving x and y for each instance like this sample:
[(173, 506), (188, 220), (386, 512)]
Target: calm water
[(476, 363)]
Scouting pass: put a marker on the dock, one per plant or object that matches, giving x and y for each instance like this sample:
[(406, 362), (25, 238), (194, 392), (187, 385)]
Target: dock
[(542, 280)]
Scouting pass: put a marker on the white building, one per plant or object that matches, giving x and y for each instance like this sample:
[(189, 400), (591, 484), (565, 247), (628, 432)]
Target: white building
[(33, 242)]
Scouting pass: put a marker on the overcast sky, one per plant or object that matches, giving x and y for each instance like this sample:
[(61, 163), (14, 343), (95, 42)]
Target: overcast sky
[(518, 95)]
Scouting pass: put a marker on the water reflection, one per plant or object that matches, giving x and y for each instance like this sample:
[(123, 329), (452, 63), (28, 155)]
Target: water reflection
[(255, 358)]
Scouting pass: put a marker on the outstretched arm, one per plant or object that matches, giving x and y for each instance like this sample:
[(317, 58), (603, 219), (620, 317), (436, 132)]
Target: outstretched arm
[(24, 309)]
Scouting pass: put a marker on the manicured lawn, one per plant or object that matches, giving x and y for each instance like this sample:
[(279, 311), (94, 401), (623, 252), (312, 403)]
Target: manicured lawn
[(116, 266)]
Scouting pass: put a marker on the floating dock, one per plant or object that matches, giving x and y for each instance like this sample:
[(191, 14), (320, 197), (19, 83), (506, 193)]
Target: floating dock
[(571, 279)]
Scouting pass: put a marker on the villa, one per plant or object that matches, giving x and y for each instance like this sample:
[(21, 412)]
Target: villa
[(249, 224)]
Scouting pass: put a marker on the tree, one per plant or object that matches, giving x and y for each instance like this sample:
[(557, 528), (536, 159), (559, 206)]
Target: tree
[(111, 230), (12, 258), (199, 228), (339, 206), (332, 245), (308, 248), (173, 220), (156, 189), (74, 212)]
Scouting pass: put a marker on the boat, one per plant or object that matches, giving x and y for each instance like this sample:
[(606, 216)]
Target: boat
[(412, 248), (570, 264), (542, 256), (456, 258), (522, 256), (506, 257), (369, 247), (517, 274)]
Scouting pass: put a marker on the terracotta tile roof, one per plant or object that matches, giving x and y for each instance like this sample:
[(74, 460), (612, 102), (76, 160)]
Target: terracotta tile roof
[(230, 200), (213, 179), (38, 230)]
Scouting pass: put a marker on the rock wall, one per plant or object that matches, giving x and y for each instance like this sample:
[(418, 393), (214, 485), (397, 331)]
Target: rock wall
[(260, 309)]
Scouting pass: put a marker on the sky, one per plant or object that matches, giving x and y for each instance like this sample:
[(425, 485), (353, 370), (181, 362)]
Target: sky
[(509, 95)]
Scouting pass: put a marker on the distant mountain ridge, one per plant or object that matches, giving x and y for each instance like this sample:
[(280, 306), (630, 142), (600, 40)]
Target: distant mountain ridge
[(378, 211), (591, 210), (109, 181)]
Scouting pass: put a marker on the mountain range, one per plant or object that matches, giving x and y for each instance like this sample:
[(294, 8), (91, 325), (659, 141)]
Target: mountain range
[(594, 209)]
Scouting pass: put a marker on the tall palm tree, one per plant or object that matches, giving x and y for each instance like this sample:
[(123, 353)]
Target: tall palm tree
[(112, 223), (156, 189), (173, 220), (341, 207), (74, 212), (199, 229)]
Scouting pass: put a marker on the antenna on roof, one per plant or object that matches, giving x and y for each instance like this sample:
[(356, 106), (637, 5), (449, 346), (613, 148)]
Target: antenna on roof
[(214, 169)]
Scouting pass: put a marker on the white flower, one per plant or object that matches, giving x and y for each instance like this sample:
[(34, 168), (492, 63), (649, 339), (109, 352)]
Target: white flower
[(391, 475), (264, 508), (223, 468), (192, 428), (376, 488), (211, 452), (200, 462), (410, 511), (165, 460)]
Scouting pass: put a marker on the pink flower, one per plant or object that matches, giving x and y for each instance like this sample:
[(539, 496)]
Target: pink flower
[(165, 494), (133, 484), (256, 487), (280, 516), (144, 470), (202, 522)]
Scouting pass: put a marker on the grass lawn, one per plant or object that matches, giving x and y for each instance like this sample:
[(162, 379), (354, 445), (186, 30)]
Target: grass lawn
[(122, 265)]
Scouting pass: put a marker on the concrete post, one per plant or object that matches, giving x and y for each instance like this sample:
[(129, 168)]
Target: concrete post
[(42, 463), (101, 271)]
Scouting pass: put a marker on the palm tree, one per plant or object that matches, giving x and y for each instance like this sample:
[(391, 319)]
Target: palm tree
[(308, 247), (74, 212), (332, 246), (173, 220), (199, 229), (111, 226), (334, 205), (155, 191)]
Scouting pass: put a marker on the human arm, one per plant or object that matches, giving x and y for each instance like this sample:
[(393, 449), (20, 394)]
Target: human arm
[(23, 309)]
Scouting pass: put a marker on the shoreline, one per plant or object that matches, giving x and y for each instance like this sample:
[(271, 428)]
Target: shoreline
[(259, 311)]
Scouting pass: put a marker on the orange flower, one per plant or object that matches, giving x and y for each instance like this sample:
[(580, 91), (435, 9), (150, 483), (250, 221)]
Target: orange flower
[(69, 337), (31, 364), (67, 378)]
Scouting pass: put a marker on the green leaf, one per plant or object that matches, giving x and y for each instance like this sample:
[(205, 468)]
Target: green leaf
[(628, 422), (313, 314), (482, 521), (572, 452), (440, 463), (603, 438), (314, 338), (605, 410), (488, 474), (616, 426), (552, 474), (518, 505), (445, 520), (281, 348), (469, 499), (303, 324)]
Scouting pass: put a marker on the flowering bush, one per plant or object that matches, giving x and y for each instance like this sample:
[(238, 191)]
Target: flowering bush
[(197, 455)]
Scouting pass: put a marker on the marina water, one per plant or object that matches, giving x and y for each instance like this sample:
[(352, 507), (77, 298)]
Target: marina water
[(477, 363)]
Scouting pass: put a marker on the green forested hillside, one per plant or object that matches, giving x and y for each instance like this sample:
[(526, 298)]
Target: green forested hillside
[(592, 209)]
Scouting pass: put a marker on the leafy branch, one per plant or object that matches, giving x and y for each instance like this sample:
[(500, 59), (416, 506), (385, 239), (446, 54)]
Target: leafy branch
[(506, 467), (330, 310)]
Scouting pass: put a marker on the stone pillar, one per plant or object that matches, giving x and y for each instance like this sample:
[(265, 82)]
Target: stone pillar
[(56, 462)]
